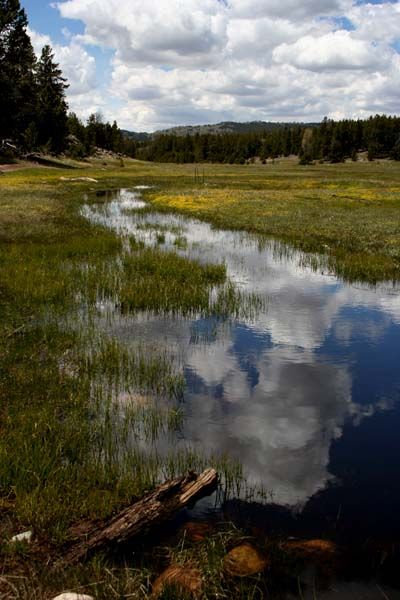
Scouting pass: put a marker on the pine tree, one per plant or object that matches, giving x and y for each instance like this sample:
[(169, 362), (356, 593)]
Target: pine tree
[(51, 105), (17, 63)]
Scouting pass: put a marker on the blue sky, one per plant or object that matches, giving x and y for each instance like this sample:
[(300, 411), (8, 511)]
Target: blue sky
[(170, 62), (45, 19)]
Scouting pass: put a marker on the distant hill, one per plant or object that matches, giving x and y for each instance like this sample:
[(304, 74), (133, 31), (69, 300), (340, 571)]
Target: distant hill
[(218, 128), (139, 136), (229, 127)]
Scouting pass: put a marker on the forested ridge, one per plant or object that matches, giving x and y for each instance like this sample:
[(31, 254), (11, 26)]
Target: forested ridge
[(34, 117), (333, 141)]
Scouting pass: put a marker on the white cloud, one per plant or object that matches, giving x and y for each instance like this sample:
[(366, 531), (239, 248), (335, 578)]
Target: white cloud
[(191, 61), (377, 22), (334, 51), (283, 8)]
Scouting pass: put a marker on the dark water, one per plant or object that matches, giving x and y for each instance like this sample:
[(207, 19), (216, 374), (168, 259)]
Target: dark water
[(305, 395)]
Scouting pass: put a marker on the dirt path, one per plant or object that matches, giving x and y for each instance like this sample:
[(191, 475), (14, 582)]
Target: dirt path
[(17, 166)]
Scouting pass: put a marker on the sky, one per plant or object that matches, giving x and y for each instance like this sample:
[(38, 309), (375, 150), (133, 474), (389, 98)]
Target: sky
[(156, 64)]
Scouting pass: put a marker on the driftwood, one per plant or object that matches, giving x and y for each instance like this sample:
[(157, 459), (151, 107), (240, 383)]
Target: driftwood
[(142, 517)]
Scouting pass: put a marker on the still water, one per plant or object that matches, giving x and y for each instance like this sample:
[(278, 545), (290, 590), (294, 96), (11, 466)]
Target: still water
[(305, 394)]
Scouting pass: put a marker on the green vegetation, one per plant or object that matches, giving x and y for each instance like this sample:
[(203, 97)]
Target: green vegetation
[(348, 213), (32, 98), (332, 141), (76, 403), (165, 282), (81, 410)]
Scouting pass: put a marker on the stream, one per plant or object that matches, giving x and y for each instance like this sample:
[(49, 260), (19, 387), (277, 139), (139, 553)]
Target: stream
[(305, 393)]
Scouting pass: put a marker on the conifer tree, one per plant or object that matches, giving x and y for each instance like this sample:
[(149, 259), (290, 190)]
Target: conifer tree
[(51, 103), (17, 63)]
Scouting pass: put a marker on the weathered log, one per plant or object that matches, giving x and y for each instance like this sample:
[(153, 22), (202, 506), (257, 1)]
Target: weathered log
[(142, 517)]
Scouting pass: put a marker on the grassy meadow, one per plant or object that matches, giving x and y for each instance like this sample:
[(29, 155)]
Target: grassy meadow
[(68, 453), (347, 213)]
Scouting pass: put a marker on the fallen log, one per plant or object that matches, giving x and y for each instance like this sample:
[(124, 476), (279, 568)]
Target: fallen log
[(142, 517)]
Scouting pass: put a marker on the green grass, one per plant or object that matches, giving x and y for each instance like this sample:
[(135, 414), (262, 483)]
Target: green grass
[(349, 212), (67, 449), (165, 282)]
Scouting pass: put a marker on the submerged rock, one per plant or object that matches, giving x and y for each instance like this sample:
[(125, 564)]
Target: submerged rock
[(311, 548), (186, 579), (22, 537), (244, 560), (126, 399), (323, 554), (197, 532)]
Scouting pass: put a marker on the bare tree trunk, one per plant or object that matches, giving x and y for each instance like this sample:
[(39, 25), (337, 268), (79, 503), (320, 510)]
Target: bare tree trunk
[(143, 516)]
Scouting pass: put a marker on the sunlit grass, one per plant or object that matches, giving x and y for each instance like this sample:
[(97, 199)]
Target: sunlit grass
[(348, 213)]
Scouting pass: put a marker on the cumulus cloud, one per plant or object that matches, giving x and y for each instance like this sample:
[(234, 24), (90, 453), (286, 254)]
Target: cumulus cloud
[(170, 32), (198, 61), (376, 22), (284, 8), (334, 51)]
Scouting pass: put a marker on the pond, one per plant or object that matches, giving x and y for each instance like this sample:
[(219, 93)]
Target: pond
[(304, 393)]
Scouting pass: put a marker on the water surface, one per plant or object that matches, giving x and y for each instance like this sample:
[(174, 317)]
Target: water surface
[(305, 395)]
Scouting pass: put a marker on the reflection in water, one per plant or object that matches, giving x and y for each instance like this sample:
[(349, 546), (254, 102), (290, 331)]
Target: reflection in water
[(284, 391)]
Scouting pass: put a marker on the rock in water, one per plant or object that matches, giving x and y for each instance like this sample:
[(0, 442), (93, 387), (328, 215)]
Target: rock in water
[(322, 553), (73, 596), (244, 560), (311, 548), (186, 579)]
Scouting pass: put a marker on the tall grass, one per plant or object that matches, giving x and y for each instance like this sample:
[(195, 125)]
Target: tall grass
[(82, 412)]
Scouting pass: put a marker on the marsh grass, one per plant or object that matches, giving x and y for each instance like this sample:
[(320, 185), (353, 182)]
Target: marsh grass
[(161, 228), (68, 449), (181, 242), (348, 214), (166, 282), (98, 579)]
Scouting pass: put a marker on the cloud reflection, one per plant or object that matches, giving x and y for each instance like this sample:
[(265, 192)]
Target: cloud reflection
[(275, 391)]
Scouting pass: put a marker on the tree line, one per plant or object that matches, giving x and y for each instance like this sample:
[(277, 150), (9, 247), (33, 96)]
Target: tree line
[(333, 141)]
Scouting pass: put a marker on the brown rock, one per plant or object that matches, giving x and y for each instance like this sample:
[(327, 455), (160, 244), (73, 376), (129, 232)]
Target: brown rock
[(311, 548), (321, 553), (197, 532), (244, 560), (184, 578)]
